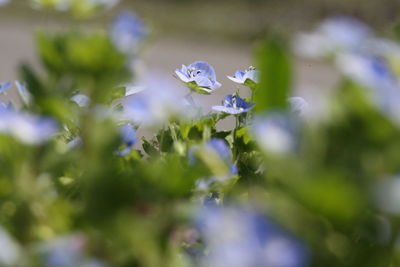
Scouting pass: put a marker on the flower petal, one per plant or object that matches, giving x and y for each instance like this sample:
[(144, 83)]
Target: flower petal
[(181, 75)]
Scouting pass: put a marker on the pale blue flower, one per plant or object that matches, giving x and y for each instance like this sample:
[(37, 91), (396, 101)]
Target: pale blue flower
[(81, 100), (298, 105), (67, 251), (128, 32), (241, 77), (128, 136), (345, 32), (374, 74), (77, 141), (63, 251), (199, 76), (10, 251), (369, 71), (241, 237), (218, 150), (216, 146), (234, 105), (276, 133), (333, 35), (155, 104), (4, 105), (204, 184), (220, 147), (27, 128), (4, 86)]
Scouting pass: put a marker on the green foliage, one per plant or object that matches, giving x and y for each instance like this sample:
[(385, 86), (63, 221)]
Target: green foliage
[(137, 209), (276, 76)]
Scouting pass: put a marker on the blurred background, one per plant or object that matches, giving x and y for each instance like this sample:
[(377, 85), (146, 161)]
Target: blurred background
[(224, 33)]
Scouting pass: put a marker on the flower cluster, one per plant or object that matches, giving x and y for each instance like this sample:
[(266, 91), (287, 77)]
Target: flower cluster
[(103, 166)]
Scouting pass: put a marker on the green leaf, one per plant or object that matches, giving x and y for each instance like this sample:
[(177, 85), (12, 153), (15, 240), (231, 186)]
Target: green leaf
[(276, 76), (244, 134), (149, 148), (117, 93)]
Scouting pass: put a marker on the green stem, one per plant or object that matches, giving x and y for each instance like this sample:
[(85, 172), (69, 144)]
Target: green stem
[(235, 150), (190, 99)]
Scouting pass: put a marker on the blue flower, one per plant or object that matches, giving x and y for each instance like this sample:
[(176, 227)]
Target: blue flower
[(66, 251), (242, 237), (217, 155), (10, 251), (298, 105), (376, 76), (81, 100), (215, 146), (199, 76), (4, 86), (155, 104), (345, 32), (63, 251), (128, 32), (77, 141), (335, 34), (241, 77), (233, 104), (128, 136), (220, 146), (276, 133), (27, 128)]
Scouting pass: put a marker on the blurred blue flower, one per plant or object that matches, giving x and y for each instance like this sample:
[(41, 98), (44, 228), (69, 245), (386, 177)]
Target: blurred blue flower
[(242, 76), (128, 136), (345, 32), (10, 251), (4, 86), (128, 32), (63, 251), (155, 104), (4, 2), (199, 76), (335, 34), (67, 251), (216, 150), (276, 133), (298, 105), (81, 100), (369, 71), (205, 183), (220, 147), (77, 141), (374, 74), (240, 237), (27, 128), (216, 146), (233, 104)]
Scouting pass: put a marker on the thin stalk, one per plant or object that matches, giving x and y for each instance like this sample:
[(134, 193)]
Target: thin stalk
[(190, 99)]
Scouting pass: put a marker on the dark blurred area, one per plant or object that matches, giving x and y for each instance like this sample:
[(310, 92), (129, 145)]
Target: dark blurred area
[(241, 20)]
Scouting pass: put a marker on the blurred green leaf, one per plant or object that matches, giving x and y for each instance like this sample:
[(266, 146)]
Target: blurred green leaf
[(274, 63)]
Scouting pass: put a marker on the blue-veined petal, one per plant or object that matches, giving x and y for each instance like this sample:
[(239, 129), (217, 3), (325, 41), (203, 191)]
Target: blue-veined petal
[(4, 86)]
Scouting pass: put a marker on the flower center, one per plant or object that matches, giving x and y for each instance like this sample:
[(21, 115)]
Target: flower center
[(192, 72)]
